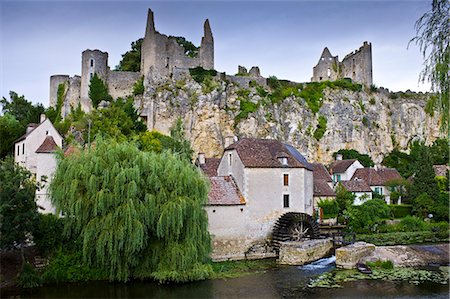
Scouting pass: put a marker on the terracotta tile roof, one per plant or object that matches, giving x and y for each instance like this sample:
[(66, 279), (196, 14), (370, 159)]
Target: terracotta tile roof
[(48, 146), (224, 191), (441, 170), (264, 153), (369, 175), (210, 166), (321, 188), (356, 186), (71, 150), (33, 126), (388, 174), (340, 166), (320, 172)]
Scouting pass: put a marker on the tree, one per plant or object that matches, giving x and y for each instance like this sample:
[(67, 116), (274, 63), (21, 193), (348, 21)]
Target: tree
[(365, 160), (439, 151), (181, 145), (136, 213), (98, 91), (433, 39), (131, 60), (367, 217), (10, 130), (23, 110), (344, 199), (424, 181), (18, 209)]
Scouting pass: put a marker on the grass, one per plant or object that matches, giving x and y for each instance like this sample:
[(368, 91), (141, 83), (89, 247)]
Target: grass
[(233, 269)]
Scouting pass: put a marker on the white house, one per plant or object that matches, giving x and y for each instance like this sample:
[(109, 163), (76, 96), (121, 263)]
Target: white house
[(36, 152), (254, 183), (343, 170), (360, 189)]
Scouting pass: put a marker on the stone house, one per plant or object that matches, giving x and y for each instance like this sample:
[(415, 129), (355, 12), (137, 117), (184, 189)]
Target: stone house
[(360, 189), (252, 185), (343, 170), (35, 151)]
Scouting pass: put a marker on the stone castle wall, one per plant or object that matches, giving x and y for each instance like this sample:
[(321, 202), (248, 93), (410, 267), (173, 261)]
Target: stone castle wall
[(120, 84)]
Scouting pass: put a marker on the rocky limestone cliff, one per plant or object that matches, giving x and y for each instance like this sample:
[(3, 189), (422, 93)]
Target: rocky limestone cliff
[(370, 122)]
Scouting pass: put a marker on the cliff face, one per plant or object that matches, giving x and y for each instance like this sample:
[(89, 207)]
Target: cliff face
[(370, 122)]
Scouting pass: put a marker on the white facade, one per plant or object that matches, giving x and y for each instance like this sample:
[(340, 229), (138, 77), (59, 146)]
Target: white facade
[(25, 149), (361, 197), (46, 166), (348, 174)]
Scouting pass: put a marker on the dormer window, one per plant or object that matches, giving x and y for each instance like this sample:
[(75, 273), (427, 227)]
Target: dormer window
[(283, 160)]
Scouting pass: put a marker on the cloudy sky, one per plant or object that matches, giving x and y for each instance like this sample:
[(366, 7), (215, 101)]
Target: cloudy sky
[(42, 38)]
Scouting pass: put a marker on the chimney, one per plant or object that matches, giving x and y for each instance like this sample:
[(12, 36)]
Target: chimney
[(201, 158), (338, 157), (43, 118), (229, 140), (30, 128)]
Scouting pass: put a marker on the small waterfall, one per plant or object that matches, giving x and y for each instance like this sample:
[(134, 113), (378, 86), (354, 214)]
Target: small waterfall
[(320, 264)]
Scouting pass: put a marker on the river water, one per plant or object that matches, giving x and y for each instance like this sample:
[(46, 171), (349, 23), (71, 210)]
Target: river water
[(282, 282)]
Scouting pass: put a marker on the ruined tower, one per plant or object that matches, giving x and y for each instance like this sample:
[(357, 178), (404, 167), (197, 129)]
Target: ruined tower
[(92, 62), (162, 54), (356, 66)]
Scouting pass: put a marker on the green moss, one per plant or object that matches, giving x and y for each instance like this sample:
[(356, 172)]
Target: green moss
[(365, 121), (233, 269)]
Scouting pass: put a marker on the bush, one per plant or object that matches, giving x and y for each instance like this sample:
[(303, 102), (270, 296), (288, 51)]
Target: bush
[(246, 107), (400, 211), (329, 207), (138, 87), (321, 128), (199, 74), (47, 234), (368, 216), (403, 238), (412, 224), (28, 278)]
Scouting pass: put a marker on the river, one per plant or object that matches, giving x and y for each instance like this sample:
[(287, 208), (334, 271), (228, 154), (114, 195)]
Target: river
[(281, 282)]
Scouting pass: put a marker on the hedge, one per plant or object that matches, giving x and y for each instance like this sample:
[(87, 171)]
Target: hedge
[(400, 211)]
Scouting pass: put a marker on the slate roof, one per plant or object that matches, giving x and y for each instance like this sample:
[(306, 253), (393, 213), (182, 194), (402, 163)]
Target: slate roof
[(356, 186), (369, 175), (441, 170), (320, 172), (264, 153), (210, 166), (388, 174), (321, 188), (224, 191), (340, 166), (48, 146)]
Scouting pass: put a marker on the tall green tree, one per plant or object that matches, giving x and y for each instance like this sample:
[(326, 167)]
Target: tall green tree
[(10, 130), (136, 213), (98, 91), (18, 209), (424, 178), (433, 39), (344, 199), (131, 60), (22, 109), (181, 145)]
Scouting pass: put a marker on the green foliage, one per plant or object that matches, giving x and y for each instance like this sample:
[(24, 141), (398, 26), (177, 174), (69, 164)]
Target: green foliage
[(209, 84), (381, 264), (68, 266), (10, 130), (18, 210), (23, 110), (344, 199), (180, 146), (273, 82), (47, 234), (403, 238), (321, 128), (400, 211), (136, 213), (329, 207), (372, 101), (98, 91), (364, 159), (431, 105), (368, 216), (439, 151), (199, 74), (412, 224), (131, 60), (246, 107), (433, 39), (28, 278), (233, 269), (373, 88), (138, 87), (424, 181), (190, 49)]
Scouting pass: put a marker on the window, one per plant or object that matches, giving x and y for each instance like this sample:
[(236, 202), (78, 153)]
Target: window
[(286, 200), (92, 62), (329, 72), (285, 180), (283, 160), (323, 58), (229, 159), (18, 150), (23, 148), (337, 178), (379, 190), (91, 75), (46, 132)]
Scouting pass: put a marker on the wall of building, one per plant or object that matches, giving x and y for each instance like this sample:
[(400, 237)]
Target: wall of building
[(55, 81), (348, 174), (92, 62), (120, 84), (235, 169), (32, 142), (358, 65), (46, 166)]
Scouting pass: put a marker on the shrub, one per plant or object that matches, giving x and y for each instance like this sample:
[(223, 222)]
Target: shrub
[(28, 278), (403, 238), (372, 101), (368, 216), (273, 82), (400, 211), (321, 128), (47, 234), (329, 207), (412, 224), (138, 87), (246, 107), (373, 88), (199, 74)]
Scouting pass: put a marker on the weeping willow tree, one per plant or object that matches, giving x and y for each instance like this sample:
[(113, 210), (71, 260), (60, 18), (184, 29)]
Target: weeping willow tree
[(137, 214)]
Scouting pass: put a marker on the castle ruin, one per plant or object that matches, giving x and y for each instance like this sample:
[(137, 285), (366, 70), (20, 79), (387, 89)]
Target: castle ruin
[(356, 66)]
